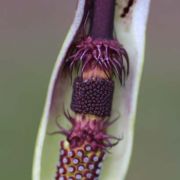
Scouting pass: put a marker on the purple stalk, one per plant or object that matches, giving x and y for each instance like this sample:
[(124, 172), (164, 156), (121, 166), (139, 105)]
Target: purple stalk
[(102, 21)]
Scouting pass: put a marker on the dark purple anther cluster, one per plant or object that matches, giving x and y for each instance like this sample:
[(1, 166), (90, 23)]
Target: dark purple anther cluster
[(92, 96)]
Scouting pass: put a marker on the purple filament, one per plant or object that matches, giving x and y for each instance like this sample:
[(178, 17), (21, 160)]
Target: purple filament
[(108, 55), (93, 132)]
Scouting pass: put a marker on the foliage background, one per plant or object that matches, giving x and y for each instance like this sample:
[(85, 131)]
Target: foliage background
[(31, 33)]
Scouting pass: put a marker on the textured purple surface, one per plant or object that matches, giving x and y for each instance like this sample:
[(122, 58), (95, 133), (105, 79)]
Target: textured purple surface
[(92, 96)]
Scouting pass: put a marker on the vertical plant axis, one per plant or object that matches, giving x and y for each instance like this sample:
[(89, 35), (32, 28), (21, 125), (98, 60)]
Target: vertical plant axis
[(103, 19), (99, 58)]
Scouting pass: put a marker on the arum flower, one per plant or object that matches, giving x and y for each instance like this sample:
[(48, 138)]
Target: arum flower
[(92, 96)]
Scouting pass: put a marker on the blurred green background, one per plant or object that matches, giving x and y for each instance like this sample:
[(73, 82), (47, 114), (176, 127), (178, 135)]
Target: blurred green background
[(31, 34)]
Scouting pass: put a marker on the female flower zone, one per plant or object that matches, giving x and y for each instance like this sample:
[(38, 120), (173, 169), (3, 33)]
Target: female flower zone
[(92, 95)]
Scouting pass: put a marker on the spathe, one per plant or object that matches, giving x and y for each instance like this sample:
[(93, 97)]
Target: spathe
[(130, 31)]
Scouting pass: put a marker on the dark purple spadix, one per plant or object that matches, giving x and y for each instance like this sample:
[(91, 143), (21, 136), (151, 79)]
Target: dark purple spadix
[(102, 21), (92, 96)]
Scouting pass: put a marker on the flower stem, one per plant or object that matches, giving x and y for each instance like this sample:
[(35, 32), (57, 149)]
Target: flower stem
[(102, 21)]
